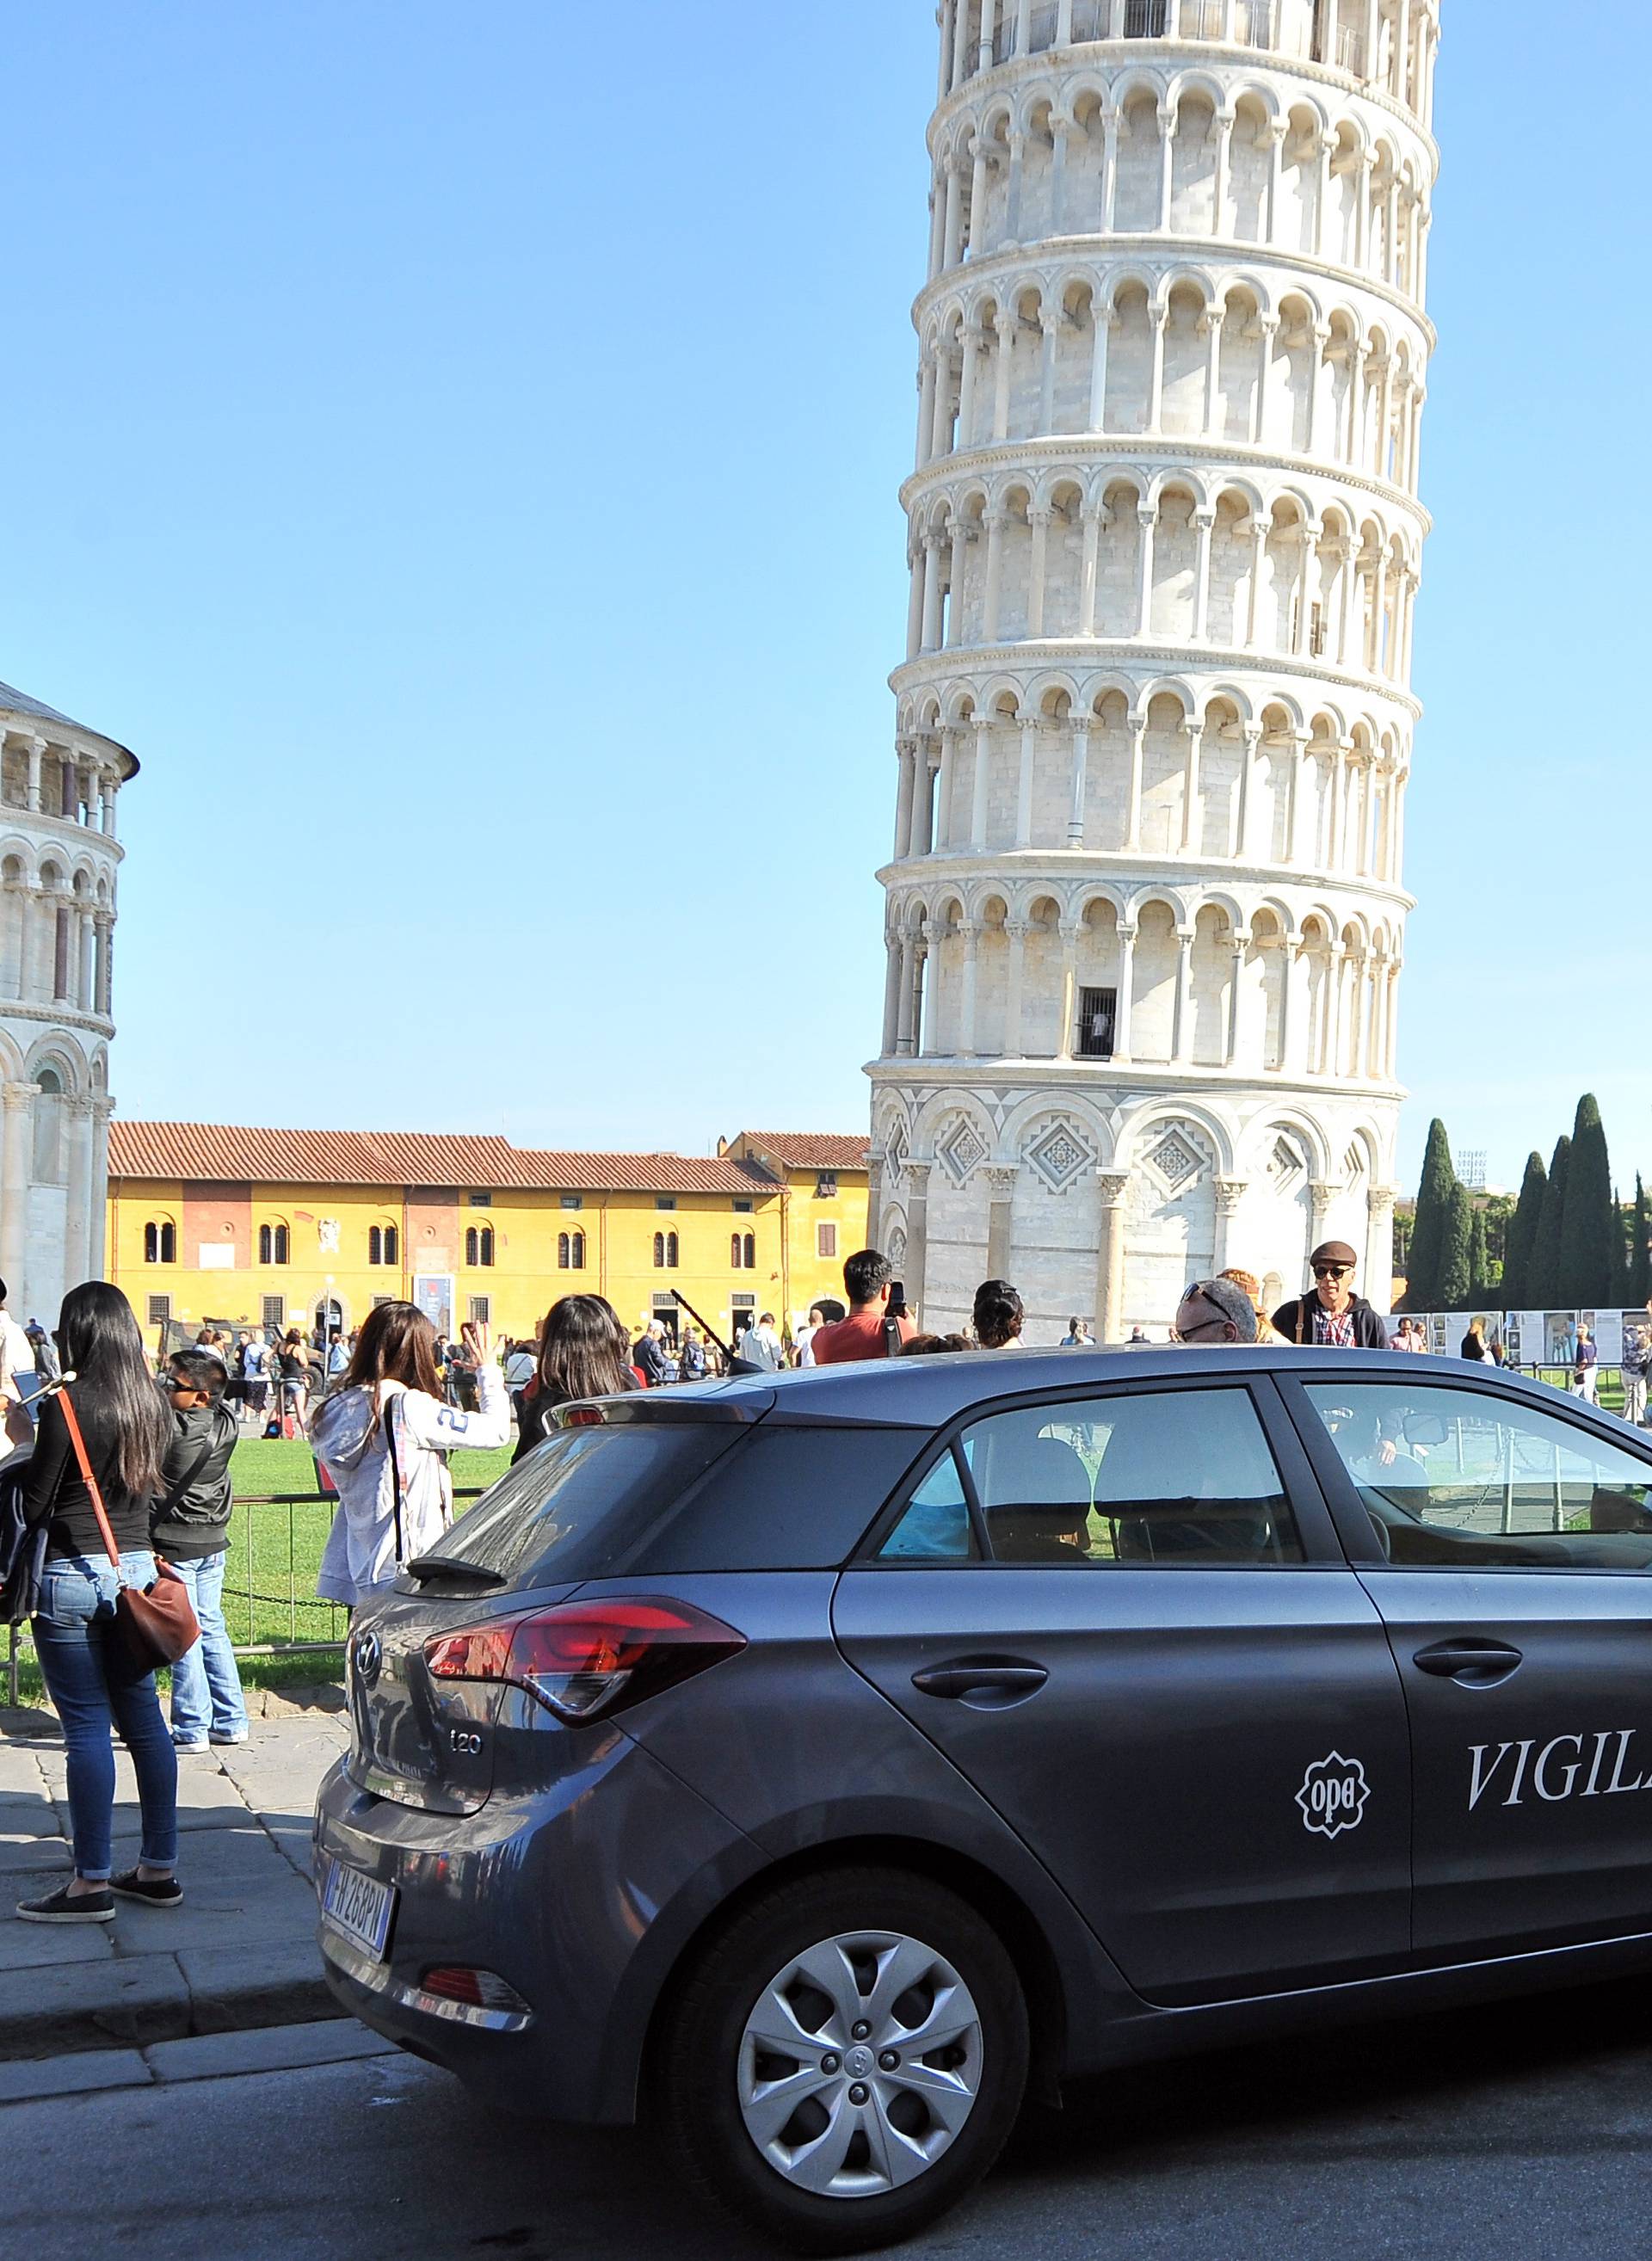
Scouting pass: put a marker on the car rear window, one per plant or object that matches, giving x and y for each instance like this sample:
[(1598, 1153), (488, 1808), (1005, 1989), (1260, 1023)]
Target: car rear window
[(653, 1499), (786, 1499), (577, 1504)]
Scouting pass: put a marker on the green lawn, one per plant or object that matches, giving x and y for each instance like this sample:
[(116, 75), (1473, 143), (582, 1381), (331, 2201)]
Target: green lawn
[(274, 1550)]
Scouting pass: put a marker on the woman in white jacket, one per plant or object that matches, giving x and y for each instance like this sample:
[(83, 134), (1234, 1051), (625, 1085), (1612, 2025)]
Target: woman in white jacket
[(383, 1437)]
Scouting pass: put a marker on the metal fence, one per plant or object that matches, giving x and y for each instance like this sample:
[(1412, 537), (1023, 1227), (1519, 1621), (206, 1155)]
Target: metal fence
[(270, 1605)]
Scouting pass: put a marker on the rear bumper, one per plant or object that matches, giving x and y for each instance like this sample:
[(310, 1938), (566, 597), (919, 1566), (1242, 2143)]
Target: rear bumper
[(582, 1904)]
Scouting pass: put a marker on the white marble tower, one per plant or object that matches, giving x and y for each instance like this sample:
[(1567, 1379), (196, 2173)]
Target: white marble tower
[(1145, 913), (59, 860)]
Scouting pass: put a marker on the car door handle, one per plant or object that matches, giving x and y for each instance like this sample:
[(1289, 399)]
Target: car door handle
[(988, 1683), (1471, 1663)]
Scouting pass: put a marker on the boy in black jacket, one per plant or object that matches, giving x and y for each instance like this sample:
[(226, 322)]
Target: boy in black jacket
[(190, 1528)]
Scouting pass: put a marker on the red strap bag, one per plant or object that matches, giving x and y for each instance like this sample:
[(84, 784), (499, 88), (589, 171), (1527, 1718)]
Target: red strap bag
[(155, 1625)]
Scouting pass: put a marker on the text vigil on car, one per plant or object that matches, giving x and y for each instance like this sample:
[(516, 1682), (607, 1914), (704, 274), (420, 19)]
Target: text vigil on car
[(1550, 1777)]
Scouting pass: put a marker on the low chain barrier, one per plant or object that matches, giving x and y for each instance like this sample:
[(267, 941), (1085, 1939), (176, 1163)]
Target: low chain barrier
[(272, 1554)]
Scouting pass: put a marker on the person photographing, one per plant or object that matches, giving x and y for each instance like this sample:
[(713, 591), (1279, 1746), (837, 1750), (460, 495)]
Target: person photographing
[(384, 1436), (872, 1328), (190, 1527)]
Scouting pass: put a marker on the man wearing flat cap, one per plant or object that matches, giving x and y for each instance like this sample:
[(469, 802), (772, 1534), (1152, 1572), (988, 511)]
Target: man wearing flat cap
[(1331, 1315)]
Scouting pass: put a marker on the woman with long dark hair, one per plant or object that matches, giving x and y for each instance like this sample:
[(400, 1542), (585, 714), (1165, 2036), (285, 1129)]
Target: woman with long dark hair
[(95, 1683), (584, 1351), (384, 1435), (998, 1315)]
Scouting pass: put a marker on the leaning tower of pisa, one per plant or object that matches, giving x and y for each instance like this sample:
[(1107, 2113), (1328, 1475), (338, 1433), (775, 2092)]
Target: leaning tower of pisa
[(1145, 911)]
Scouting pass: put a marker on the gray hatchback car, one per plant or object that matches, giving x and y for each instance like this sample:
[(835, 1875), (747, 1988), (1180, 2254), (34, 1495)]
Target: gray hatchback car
[(824, 1762)]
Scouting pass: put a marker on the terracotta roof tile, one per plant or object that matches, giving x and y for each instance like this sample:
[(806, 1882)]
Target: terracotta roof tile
[(193, 1152), (802, 1150)]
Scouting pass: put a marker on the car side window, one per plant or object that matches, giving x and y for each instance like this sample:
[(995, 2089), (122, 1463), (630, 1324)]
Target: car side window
[(1459, 1479), (1178, 1479), (936, 1526)]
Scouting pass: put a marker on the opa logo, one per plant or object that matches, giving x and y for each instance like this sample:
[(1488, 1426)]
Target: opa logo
[(1333, 1795)]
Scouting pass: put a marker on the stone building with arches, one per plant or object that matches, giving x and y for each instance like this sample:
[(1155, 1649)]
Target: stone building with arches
[(59, 860), (1145, 911)]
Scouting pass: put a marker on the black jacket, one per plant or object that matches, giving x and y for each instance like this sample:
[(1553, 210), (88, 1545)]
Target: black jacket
[(537, 1408), (1294, 1322), (191, 1518), (54, 1493), (649, 1353), (22, 1549)]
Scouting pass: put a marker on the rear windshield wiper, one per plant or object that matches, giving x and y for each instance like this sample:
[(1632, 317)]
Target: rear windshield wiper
[(448, 1565)]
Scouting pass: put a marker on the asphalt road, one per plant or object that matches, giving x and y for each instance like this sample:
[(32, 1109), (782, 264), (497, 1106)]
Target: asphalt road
[(1525, 2131)]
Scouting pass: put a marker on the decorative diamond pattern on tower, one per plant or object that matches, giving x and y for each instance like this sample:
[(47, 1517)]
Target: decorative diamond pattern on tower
[(962, 1151), (1285, 1165), (1060, 1156), (1176, 1160), (1154, 726)]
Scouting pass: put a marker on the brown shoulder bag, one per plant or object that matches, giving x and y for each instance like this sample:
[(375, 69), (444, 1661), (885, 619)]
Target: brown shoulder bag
[(155, 1625)]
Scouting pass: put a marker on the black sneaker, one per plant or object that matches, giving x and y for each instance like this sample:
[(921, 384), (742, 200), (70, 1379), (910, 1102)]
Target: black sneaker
[(159, 1892), (58, 1907)]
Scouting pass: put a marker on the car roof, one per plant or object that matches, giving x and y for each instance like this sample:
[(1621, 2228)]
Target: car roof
[(925, 1392)]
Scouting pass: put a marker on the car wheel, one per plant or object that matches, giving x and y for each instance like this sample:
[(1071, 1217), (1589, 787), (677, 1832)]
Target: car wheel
[(844, 2060)]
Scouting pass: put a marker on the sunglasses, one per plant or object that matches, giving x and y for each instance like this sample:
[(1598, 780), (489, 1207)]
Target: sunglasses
[(1218, 1317), (1332, 1271)]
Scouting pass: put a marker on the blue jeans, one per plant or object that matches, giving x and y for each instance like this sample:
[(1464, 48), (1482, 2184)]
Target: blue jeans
[(206, 1695), (95, 1684)]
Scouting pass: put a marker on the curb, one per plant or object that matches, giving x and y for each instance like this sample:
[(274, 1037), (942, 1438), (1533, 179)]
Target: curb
[(209, 2056), (68, 2008)]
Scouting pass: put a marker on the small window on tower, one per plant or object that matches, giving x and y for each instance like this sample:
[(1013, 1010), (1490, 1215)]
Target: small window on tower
[(1098, 1014)]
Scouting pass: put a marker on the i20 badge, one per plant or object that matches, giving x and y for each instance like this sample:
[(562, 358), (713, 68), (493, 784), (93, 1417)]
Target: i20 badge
[(1333, 1795)]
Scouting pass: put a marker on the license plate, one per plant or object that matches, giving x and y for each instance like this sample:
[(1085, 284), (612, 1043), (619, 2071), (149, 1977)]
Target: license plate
[(358, 1905)]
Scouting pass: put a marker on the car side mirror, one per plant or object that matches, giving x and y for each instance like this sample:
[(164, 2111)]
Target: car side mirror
[(1424, 1428)]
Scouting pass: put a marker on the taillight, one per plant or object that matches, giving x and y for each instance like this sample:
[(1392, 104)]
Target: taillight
[(582, 1658), (582, 1416)]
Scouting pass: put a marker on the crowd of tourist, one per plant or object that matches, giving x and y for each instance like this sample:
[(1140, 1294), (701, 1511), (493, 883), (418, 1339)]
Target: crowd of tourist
[(118, 1485)]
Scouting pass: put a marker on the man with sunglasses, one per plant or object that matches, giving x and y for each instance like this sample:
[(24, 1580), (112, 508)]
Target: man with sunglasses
[(1213, 1312), (1333, 1316)]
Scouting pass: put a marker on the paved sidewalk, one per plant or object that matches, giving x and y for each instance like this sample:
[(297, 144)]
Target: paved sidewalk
[(240, 1952)]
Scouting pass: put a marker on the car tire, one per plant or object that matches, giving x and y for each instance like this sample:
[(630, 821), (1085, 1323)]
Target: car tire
[(718, 2089)]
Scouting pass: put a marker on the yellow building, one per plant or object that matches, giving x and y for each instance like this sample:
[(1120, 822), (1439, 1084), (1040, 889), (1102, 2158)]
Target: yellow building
[(215, 1223), (823, 1205)]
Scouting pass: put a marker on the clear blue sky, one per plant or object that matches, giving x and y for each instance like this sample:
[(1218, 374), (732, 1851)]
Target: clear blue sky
[(457, 450)]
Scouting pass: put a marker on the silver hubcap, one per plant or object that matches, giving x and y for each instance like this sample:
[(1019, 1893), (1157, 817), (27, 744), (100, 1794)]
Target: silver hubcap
[(859, 2064)]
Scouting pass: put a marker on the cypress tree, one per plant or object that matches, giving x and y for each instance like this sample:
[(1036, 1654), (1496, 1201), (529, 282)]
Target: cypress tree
[(1543, 1283), (1639, 1245), (1479, 1260), (1619, 1250), (1588, 1219), (1428, 1228), (1455, 1282), (1517, 1256)]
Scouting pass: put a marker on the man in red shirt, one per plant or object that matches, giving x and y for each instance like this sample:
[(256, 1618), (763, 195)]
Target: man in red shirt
[(867, 1278)]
